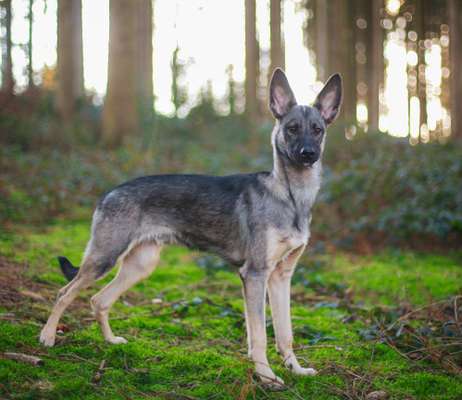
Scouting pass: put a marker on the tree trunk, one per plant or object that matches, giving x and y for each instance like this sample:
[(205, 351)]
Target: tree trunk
[(361, 29), (277, 42), (419, 26), (7, 72), (375, 63), (30, 71), (321, 42), (231, 90), (144, 75), (455, 32), (341, 42), (252, 61), (120, 116), (70, 87)]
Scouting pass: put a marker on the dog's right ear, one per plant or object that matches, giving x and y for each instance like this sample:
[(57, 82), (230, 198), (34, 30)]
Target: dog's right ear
[(282, 98)]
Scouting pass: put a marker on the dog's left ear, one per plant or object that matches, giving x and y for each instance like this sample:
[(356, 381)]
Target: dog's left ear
[(329, 99), (282, 98)]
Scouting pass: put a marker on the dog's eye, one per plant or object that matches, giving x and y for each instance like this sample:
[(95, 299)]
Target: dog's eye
[(292, 129), (317, 130)]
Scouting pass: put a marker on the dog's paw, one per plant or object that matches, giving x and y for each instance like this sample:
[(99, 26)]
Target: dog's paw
[(47, 338), (304, 371), (117, 340), (292, 364), (268, 378), (275, 383)]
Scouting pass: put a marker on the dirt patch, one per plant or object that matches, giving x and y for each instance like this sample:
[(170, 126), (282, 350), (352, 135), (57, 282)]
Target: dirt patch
[(12, 281), (17, 289)]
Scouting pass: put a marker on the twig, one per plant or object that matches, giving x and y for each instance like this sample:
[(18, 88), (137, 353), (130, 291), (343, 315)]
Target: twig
[(32, 295), (74, 357), (406, 316), (99, 373), (24, 358)]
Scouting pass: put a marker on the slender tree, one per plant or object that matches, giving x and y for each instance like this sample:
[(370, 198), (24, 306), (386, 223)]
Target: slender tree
[(341, 58), (321, 43), (231, 89), (361, 39), (333, 39), (70, 87), (179, 92), (276, 39), (252, 60), (455, 32), (144, 48), (7, 64), (375, 61), (30, 70), (419, 25), (120, 114)]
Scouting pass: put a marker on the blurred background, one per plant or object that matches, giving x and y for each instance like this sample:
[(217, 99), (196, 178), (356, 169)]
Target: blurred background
[(97, 92)]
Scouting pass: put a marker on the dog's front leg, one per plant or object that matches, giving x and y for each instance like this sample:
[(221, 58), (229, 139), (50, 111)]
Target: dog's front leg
[(279, 295), (254, 280)]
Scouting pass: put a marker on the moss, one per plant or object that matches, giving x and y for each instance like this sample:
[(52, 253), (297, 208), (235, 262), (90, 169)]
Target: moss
[(392, 277), (193, 344)]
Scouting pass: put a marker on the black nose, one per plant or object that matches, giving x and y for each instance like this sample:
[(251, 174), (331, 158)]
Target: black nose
[(307, 154)]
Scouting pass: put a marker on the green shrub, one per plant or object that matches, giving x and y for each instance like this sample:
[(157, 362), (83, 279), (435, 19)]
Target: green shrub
[(377, 183)]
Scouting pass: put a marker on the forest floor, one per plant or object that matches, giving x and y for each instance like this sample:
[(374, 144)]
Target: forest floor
[(387, 323)]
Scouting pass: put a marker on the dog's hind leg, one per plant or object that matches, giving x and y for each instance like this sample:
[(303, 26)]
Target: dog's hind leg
[(137, 265), (100, 257), (279, 296), (66, 295)]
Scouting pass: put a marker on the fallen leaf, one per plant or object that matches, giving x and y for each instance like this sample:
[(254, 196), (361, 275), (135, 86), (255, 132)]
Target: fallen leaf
[(377, 395)]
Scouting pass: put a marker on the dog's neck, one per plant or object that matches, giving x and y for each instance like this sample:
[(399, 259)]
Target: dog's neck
[(300, 185)]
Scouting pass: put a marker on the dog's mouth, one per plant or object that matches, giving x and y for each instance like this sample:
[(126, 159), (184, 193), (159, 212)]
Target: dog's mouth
[(309, 164)]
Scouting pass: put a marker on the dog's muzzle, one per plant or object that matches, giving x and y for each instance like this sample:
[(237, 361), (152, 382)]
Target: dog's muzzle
[(308, 156)]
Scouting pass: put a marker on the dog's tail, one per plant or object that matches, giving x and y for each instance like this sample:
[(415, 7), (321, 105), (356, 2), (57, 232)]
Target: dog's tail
[(67, 268)]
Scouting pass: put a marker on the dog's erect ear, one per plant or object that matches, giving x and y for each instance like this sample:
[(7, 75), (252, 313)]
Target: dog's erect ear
[(282, 98), (330, 98)]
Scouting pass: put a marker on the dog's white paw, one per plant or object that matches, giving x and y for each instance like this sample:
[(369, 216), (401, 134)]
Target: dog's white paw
[(305, 371), (273, 383), (117, 340), (47, 337), (292, 364), (268, 378)]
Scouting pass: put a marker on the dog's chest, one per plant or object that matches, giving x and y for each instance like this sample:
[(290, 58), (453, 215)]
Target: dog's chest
[(282, 242)]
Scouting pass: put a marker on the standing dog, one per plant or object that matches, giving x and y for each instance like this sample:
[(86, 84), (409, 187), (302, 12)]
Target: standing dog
[(258, 222)]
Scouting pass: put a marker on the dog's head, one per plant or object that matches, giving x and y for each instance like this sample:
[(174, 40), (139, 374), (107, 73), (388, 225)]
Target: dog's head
[(300, 132)]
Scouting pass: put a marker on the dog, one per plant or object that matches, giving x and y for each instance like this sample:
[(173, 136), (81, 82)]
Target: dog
[(259, 222)]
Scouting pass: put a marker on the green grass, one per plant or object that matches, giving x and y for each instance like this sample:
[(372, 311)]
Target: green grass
[(192, 344)]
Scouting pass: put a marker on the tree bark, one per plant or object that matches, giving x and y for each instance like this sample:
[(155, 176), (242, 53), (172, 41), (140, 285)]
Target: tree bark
[(7, 72), (341, 42), (321, 40), (277, 42), (252, 61), (70, 85), (144, 27), (231, 90), (375, 63), (455, 32), (30, 70), (120, 116), (419, 26)]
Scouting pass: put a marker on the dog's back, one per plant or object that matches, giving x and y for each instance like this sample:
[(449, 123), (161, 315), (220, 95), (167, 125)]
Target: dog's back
[(197, 211)]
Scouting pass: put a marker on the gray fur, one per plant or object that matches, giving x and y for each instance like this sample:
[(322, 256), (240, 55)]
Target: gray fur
[(258, 222)]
